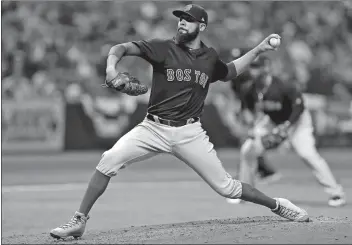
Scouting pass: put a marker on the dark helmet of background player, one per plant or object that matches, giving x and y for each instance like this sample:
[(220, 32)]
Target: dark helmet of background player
[(259, 67), (260, 62)]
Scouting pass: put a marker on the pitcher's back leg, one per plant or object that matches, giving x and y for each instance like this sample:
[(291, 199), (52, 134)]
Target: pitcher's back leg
[(140, 143)]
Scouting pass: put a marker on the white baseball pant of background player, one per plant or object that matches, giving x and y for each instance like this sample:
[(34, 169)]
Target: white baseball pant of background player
[(301, 138), (189, 143)]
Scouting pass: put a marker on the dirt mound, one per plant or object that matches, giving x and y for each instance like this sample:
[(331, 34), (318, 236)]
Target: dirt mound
[(263, 229)]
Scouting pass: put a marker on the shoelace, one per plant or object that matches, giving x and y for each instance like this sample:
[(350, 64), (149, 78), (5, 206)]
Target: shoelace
[(74, 221), (287, 212)]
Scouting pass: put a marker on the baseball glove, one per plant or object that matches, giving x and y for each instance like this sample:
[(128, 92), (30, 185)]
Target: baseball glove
[(125, 83), (273, 139)]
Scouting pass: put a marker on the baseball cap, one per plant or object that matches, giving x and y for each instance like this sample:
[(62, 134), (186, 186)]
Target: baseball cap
[(195, 11)]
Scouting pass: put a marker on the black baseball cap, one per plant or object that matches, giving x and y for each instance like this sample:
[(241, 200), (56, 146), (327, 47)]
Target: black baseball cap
[(195, 11)]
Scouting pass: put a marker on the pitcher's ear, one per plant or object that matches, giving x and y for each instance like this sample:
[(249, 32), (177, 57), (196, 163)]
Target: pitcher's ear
[(202, 27)]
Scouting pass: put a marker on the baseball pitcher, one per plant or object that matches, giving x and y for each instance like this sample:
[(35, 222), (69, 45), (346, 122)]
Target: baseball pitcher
[(183, 69), (284, 118)]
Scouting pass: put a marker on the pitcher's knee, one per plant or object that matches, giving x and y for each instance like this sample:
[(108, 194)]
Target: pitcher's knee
[(232, 189), (108, 164)]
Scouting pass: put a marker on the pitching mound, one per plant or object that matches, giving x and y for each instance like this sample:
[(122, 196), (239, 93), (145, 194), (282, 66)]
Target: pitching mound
[(264, 229)]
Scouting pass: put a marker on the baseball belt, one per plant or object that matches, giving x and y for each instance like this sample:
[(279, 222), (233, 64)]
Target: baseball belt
[(171, 122)]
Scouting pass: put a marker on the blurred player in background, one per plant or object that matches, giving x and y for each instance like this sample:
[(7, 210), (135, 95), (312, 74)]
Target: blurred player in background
[(240, 87), (283, 118)]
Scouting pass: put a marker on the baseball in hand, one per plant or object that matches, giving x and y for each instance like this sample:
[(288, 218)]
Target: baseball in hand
[(274, 42)]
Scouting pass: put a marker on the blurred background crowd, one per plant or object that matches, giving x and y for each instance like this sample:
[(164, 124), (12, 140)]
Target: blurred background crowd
[(47, 46), (59, 48)]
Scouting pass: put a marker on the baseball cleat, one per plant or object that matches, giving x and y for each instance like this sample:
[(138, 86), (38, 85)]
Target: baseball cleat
[(234, 201), (337, 201), (75, 227), (288, 210)]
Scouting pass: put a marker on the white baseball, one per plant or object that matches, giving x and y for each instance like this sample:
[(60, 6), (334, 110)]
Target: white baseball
[(274, 42)]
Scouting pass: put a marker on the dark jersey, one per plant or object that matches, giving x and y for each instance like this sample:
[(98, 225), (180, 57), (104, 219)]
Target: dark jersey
[(181, 77), (280, 101), (238, 83)]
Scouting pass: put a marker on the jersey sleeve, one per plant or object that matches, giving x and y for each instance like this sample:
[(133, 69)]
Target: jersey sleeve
[(154, 50), (220, 70)]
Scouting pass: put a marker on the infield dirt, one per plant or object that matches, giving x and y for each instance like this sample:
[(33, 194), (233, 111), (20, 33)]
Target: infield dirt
[(264, 229)]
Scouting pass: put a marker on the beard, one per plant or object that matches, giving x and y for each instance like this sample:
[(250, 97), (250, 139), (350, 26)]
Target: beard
[(186, 37)]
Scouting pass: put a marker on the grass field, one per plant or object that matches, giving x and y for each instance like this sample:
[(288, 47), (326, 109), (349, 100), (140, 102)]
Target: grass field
[(161, 200)]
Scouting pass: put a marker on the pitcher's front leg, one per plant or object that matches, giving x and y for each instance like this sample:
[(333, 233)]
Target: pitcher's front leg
[(199, 154)]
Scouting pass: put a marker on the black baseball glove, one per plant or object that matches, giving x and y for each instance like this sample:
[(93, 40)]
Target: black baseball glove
[(125, 83), (273, 139)]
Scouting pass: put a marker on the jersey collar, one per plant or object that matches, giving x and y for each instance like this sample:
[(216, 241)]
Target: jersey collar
[(195, 52)]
